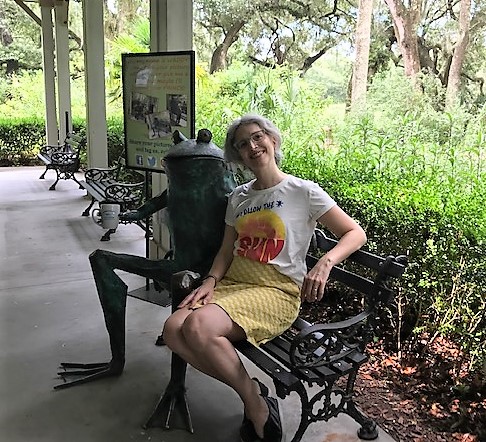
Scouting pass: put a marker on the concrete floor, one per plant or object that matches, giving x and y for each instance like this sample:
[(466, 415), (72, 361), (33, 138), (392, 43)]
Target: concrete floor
[(49, 312)]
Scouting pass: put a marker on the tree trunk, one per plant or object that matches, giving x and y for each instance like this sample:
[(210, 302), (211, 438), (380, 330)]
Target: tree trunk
[(454, 79), (405, 21), (118, 22), (220, 55), (359, 80)]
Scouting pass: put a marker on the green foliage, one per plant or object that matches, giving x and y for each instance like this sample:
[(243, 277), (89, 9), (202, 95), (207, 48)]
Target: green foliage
[(136, 41), (20, 140), (274, 33), (20, 37), (411, 175), (116, 139)]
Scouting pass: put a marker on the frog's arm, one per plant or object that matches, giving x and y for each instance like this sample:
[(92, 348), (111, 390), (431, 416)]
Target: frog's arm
[(149, 208)]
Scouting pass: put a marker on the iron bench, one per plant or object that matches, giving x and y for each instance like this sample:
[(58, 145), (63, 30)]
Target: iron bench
[(106, 185), (326, 355), (64, 159)]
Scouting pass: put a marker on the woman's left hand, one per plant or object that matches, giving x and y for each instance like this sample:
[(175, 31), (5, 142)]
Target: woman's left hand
[(315, 281)]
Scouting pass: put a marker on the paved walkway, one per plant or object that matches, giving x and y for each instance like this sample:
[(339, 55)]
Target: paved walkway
[(49, 312)]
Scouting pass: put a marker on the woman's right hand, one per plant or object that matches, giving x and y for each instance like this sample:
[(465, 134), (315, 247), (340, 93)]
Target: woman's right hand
[(201, 295)]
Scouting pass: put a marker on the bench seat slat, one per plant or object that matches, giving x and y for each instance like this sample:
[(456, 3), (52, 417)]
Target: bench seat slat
[(307, 374), (266, 364)]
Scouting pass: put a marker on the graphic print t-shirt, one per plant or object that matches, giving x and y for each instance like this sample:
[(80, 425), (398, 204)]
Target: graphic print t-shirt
[(275, 225)]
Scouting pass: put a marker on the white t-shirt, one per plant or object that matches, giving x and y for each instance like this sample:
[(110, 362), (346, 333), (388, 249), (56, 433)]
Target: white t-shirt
[(275, 225)]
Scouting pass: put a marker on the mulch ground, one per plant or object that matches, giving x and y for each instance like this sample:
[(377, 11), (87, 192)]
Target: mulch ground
[(427, 395), (417, 400)]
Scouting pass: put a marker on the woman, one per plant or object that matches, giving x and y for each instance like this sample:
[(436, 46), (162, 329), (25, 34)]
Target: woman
[(259, 277)]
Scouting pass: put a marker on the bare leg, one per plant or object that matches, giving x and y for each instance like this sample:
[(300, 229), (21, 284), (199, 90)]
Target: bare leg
[(203, 338)]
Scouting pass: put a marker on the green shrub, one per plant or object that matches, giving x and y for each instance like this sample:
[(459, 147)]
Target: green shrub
[(20, 140)]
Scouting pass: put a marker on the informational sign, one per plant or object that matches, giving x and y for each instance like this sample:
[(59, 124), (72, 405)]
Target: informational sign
[(158, 98)]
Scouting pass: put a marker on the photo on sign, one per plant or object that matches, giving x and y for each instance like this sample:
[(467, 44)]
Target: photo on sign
[(146, 108), (177, 105)]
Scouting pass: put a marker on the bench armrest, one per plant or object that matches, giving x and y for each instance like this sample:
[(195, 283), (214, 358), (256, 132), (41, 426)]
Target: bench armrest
[(125, 192), (322, 344), (101, 174), (50, 149), (64, 158)]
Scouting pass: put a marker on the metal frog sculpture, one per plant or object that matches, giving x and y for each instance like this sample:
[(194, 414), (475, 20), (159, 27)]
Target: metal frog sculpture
[(198, 185)]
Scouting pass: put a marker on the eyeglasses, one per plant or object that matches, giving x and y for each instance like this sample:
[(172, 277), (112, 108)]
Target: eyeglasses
[(256, 137)]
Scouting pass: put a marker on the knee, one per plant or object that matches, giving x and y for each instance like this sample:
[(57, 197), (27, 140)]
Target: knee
[(171, 332), (195, 330)]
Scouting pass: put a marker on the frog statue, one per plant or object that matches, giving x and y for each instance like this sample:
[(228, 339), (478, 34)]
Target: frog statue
[(198, 185)]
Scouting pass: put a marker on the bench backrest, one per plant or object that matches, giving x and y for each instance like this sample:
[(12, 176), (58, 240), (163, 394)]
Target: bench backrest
[(74, 142), (371, 275)]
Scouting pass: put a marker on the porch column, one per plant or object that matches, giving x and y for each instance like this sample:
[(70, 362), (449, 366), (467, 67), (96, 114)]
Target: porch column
[(170, 30), (62, 63), (96, 128), (52, 136)]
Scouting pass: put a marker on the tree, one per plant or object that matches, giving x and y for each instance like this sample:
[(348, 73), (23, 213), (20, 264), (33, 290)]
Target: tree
[(359, 80), (20, 46), (220, 55), (120, 15), (271, 33), (459, 54), (299, 33), (218, 25), (135, 41), (405, 22)]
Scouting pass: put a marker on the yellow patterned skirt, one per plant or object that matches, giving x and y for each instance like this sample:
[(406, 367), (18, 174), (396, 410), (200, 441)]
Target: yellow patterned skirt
[(257, 297)]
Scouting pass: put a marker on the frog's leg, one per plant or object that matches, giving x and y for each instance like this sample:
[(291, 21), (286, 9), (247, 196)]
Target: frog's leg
[(112, 292), (173, 402)]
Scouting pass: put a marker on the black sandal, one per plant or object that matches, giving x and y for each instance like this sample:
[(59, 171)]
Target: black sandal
[(263, 392), (272, 431), (247, 429), (263, 388)]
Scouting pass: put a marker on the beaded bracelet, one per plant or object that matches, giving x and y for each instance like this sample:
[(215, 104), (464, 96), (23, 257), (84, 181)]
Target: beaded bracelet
[(211, 276)]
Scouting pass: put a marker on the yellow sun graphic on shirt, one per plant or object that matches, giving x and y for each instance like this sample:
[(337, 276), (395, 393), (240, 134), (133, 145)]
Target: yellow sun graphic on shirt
[(261, 235)]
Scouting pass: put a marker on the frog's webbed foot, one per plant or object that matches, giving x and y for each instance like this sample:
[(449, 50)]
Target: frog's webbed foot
[(84, 373), (172, 408)]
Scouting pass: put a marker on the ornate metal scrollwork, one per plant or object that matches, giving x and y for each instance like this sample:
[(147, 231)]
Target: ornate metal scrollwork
[(123, 192), (101, 174), (328, 408), (323, 344)]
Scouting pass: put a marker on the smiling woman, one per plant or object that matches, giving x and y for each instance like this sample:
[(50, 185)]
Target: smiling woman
[(258, 130), (259, 277)]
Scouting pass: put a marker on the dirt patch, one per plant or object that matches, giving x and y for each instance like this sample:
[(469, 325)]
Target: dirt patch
[(417, 403), (427, 395)]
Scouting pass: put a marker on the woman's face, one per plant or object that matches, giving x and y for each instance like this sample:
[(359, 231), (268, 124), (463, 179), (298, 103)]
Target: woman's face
[(256, 147)]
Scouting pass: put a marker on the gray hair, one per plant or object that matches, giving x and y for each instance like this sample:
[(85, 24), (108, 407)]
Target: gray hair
[(231, 153)]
